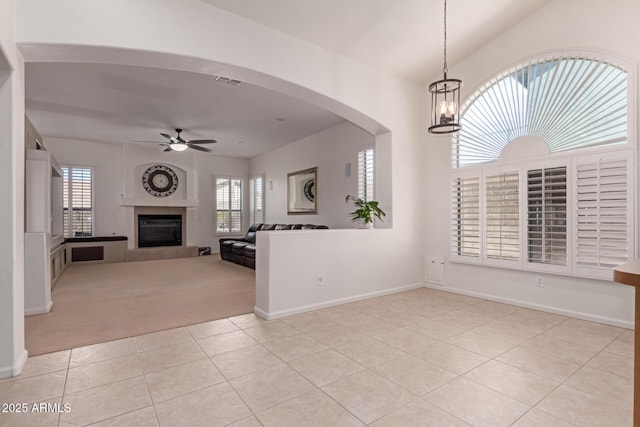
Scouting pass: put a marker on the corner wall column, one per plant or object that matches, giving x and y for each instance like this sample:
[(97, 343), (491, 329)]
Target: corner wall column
[(12, 350)]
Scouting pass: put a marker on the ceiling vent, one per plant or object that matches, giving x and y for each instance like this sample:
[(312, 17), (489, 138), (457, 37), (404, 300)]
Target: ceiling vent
[(228, 81)]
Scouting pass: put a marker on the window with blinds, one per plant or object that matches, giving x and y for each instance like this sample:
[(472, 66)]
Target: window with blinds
[(502, 216), (77, 201), (603, 211), (228, 205), (573, 212), (571, 102), (256, 197), (365, 175), (466, 217), (547, 216)]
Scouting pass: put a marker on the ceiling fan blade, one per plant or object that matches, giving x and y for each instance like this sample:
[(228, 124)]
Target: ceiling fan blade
[(169, 137), (150, 142), (197, 147), (168, 149), (202, 141)]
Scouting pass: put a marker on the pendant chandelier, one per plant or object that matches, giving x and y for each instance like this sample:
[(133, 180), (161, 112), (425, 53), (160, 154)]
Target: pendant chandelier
[(445, 97)]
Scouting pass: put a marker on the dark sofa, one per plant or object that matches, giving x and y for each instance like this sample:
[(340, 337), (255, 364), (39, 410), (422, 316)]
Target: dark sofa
[(242, 250)]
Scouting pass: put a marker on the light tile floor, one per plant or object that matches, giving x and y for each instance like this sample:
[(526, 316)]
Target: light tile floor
[(423, 358)]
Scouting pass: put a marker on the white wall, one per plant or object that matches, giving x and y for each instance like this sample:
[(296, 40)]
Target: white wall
[(330, 150), (12, 352), (344, 258), (609, 27), (117, 180)]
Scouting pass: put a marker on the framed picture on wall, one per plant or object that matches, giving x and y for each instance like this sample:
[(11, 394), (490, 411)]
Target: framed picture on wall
[(302, 192)]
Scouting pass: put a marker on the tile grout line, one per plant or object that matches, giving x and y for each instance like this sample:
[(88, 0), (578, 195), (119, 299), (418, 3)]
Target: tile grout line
[(64, 387)]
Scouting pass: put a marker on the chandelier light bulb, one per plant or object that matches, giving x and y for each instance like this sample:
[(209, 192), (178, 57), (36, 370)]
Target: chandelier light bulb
[(447, 110)]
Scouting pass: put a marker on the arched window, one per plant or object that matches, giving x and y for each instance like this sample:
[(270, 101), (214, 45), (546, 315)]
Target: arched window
[(568, 102), (542, 175)]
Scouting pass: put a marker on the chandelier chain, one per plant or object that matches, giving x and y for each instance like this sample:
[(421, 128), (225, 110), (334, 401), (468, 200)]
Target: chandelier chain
[(445, 69)]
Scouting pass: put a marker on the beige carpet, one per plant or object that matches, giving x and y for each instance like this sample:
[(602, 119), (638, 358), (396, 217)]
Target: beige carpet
[(103, 302)]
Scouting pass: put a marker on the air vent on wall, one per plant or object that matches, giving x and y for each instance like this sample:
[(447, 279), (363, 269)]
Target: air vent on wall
[(227, 80)]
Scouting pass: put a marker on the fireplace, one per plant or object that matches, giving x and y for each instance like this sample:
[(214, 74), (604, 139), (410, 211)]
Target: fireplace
[(159, 230)]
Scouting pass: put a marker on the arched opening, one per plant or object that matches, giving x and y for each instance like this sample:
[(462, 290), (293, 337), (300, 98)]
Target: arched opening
[(175, 67)]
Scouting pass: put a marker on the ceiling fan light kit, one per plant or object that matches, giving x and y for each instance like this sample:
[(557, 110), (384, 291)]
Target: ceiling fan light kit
[(445, 97), (177, 143), (179, 146)]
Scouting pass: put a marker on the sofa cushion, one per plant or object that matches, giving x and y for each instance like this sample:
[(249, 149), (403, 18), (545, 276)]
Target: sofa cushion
[(251, 233), (225, 249), (250, 251), (238, 247)]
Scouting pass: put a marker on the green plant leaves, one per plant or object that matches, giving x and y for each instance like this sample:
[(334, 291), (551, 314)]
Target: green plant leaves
[(365, 210)]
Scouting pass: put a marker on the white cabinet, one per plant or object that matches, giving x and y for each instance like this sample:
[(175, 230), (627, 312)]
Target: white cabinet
[(44, 242), (43, 193)]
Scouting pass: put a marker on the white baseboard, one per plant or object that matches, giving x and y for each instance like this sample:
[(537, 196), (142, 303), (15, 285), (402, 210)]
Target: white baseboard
[(32, 311), (332, 303), (16, 368), (549, 309)]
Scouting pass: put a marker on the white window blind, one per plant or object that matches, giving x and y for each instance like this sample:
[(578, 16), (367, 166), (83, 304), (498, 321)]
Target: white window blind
[(577, 211), (256, 196), (603, 228), (77, 203), (365, 174), (547, 215), (466, 217), (570, 102), (228, 205), (502, 223)]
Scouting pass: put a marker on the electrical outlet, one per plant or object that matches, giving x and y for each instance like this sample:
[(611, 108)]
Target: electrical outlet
[(539, 281), (319, 279)]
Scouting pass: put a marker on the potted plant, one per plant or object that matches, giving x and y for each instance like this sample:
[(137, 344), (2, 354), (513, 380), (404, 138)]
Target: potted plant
[(365, 212)]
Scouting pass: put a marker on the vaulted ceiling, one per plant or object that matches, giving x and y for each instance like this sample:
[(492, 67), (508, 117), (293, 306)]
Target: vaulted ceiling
[(120, 104)]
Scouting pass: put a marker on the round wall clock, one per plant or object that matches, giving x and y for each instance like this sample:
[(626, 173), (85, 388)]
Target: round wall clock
[(309, 190), (160, 180)]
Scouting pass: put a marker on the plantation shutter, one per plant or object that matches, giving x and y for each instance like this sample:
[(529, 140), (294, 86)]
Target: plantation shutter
[(222, 206), (365, 175), (256, 210), (547, 215), (77, 204), (603, 228), (66, 215), (570, 102), (502, 222), (228, 205), (236, 205), (466, 217)]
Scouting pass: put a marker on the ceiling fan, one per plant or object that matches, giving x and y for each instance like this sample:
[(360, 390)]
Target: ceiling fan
[(177, 143)]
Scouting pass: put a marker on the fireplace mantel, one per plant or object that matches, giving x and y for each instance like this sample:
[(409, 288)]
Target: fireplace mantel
[(159, 202)]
